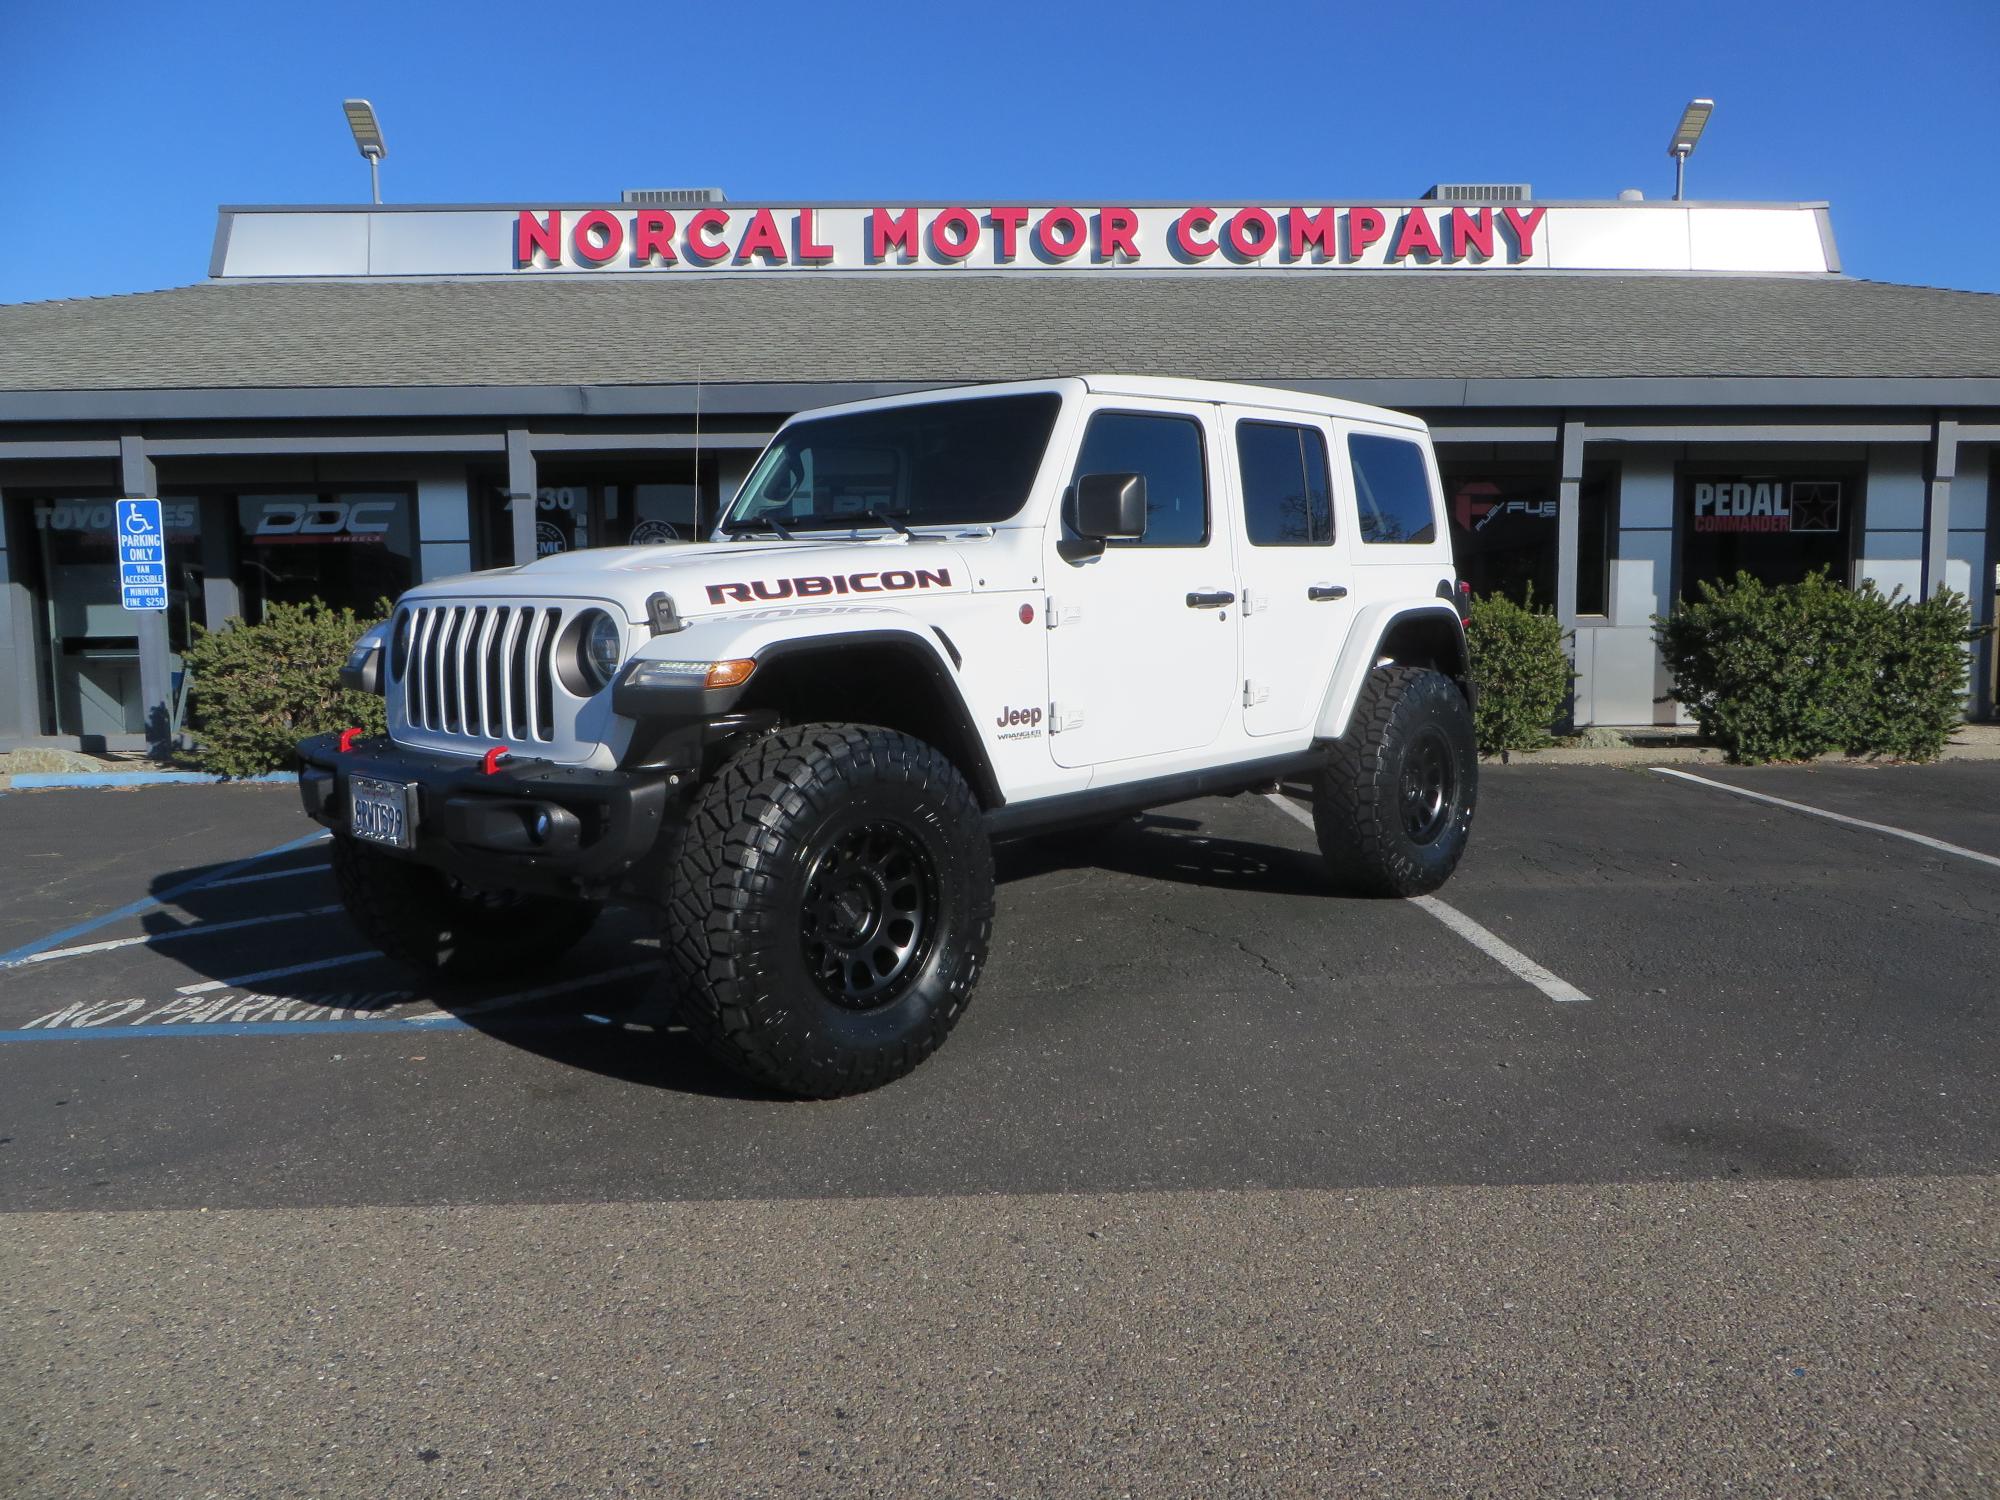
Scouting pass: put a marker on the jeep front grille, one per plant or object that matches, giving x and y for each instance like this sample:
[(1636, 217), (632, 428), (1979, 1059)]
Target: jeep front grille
[(481, 671)]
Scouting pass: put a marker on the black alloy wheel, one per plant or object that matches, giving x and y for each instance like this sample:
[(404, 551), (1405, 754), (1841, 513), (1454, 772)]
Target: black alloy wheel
[(866, 923), (1429, 785)]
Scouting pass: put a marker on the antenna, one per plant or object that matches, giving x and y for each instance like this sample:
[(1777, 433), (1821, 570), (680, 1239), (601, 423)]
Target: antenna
[(697, 454)]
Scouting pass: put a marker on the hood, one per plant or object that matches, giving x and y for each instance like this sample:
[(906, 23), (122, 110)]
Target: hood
[(710, 577)]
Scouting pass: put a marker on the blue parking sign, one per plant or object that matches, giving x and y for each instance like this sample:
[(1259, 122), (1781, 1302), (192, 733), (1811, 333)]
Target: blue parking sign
[(142, 555)]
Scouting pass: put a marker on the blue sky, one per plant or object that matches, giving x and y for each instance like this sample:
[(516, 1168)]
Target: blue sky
[(126, 124)]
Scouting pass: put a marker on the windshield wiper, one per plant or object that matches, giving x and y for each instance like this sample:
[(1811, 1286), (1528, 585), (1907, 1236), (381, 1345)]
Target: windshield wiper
[(742, 524), (880, 518)]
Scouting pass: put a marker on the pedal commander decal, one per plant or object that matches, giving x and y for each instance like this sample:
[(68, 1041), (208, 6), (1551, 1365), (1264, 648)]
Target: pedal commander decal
[(896, 580)]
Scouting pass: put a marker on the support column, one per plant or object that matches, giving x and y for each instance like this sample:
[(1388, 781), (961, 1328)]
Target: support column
[(1569, 506), (20, 714), (521, 494), (1569, 502), (221, 597), (137, 479), (1943, 468)]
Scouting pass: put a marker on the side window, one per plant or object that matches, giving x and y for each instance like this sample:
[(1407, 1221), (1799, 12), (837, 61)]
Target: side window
[(1286, 497), (1392, 489), (1168, 451)]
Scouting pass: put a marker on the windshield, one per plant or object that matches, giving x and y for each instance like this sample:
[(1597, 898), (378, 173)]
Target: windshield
[(940, 463)]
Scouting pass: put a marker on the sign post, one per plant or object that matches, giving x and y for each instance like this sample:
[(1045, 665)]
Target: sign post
[(142, 588)]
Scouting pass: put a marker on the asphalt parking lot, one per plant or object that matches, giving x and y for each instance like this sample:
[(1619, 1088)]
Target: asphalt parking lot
[(1658, 1159)]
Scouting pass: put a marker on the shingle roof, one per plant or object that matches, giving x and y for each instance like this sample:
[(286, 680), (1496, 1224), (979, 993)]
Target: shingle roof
[(950, 327)]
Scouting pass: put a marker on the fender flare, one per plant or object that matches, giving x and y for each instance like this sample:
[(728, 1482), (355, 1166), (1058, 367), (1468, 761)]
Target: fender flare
[(915, 648), (1371, 631)]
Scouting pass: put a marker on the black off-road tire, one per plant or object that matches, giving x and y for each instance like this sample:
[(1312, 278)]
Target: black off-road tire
[(776, 927), (422, 918), (1386, 825)]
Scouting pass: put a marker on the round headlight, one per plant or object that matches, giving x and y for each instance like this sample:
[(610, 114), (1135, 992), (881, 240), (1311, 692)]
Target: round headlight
[(603, 647)]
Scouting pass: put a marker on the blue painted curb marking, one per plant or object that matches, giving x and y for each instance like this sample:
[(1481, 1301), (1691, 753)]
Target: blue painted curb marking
[(14, 956), (32, 781)]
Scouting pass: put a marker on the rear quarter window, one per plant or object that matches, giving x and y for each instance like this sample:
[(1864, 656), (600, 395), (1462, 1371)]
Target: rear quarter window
[(1392, 489)]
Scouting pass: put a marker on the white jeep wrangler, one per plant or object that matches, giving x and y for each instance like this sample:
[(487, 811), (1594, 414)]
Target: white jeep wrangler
[(924, 623)]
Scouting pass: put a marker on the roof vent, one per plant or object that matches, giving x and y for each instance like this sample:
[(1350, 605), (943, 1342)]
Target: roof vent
[(673, 197), (1482, 192)]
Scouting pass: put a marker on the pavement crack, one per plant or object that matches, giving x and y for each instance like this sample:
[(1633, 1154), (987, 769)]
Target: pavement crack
[(1262, 960)]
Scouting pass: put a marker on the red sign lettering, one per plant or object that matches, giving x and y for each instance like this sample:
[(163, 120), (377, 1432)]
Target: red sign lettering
[(887, 231), (1416, 234)]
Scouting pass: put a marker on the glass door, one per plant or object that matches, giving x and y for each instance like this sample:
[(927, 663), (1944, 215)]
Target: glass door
[(90, 641)]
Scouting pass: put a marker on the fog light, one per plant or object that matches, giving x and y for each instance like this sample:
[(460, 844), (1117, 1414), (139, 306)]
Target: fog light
[(542, 827)]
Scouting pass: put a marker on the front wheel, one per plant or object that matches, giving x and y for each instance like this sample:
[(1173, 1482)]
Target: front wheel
[(423, 918), (829, 908), (1393, 808)]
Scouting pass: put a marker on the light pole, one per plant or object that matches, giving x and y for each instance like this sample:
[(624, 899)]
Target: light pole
[(368, 136), (1694, 120)]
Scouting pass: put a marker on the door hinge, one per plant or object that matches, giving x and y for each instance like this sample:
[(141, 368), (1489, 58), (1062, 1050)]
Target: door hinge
[(1255, 600), (1255, 692), (1059, 614), (1062, 717)]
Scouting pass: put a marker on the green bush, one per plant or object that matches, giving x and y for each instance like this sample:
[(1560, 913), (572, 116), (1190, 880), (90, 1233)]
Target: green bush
[(1920, 666), (256, 690), (1521, 672), (1792, 671)]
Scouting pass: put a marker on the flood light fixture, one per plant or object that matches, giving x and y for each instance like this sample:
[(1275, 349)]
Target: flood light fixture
[(368, 139), (1694, 120)]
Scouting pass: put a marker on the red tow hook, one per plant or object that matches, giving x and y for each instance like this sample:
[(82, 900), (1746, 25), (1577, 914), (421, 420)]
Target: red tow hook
[(491, 764), (347, 739)]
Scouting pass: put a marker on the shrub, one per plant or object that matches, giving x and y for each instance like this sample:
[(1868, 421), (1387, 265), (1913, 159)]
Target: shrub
[(1919, 690), (1520, 670), (256, 690), (1792, 671)]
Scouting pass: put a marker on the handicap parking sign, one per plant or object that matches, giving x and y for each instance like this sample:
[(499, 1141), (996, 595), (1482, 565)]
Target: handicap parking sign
[(142, 555)]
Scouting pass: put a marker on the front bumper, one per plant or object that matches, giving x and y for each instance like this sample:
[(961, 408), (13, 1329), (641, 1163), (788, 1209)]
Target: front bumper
[(595, 825)]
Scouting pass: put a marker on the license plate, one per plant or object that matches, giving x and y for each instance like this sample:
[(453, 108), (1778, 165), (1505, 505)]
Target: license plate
[(383, 812)]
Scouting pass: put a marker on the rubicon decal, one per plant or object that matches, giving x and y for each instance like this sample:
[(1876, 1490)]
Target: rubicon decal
[(822, 585)]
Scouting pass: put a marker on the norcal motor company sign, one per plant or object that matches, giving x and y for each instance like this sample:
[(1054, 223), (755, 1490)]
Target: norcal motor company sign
[(1006, 235), (1102, 238)]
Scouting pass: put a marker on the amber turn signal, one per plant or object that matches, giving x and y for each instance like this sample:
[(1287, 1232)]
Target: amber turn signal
[(729, 673)]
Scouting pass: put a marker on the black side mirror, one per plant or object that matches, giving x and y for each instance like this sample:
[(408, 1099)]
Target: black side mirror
[(1111, 507)]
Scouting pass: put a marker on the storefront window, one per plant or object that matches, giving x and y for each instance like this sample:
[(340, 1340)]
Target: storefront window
[(1776, 525), (594, 507), (90, 641), (1504, 531), (350, 548)]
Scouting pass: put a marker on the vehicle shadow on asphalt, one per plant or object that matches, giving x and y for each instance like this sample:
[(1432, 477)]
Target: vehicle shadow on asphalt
[(1161, 847), (625, 1029)]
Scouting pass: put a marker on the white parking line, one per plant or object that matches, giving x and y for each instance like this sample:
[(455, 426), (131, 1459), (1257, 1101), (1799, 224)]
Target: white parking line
[(549, 991), (1510, 958), (217, 885), (1819, 812), (153, 939), (285, 973)]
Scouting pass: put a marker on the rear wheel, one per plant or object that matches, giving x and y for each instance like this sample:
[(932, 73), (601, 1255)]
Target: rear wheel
[(1393, 808), (829, 908), (425, 919)]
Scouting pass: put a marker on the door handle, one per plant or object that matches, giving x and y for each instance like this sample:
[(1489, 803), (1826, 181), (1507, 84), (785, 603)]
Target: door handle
[(1210, 598), (1318, 591)]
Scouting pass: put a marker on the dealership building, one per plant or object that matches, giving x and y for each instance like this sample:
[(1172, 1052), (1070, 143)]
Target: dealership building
[(1628, 397)]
